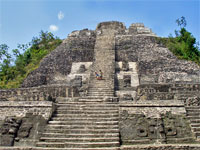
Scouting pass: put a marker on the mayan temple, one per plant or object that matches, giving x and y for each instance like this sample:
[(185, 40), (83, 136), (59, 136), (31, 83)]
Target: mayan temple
[(147, 99)]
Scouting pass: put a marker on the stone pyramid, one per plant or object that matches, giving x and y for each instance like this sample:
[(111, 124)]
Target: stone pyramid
[(146, 99)]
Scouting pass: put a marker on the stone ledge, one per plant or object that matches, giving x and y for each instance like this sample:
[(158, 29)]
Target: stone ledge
[(124, 147), (26, 103), (162, 147), (154, 103)]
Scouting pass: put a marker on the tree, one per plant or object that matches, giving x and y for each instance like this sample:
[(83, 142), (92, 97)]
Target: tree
[(184, 45), (4, 52), (27, 58)]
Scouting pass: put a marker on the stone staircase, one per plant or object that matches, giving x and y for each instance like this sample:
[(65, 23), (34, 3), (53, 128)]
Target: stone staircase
[(79, 125), (101, 90), (92, 122), (193, 113)]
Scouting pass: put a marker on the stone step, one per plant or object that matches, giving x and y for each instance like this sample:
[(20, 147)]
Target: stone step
[(98, 82), (193, 117), (196, 129), (90, 119), (76, 104), (83, 107), (90, 105), (86, 122), (92, 145), (52, 144), (101, 92), (195, 120), (197, 133), (60, 127), (77, 145), (78, 139), (102, 95), (49, 148), (195, 124), (100, 89), (93, 99), (62, 135), (192, 107), (91, 115), (76, 111), (193, 110), (81, 131), (193, 113), (64, 124), (86, 109)]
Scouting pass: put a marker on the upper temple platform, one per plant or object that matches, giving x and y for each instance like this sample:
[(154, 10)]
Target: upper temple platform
[(134, 29)]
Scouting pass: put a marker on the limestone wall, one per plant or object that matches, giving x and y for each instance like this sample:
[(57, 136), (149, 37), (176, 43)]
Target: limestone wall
[(131, 147), (78, 47), (37, 93), (168, 91), (154, 122), (162, 147), (21, 108), (156, 64)]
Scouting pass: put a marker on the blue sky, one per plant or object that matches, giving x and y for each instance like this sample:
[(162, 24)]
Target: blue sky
[(20, 20)]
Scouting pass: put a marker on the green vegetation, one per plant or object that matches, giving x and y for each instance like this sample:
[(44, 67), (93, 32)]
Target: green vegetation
[(15, 67), (183, 45)]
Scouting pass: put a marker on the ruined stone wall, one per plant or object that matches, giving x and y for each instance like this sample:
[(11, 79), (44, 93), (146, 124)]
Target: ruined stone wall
[(137, 147), (155, 122), (78, 47), (38, 93), (23, 121), (156, 64), (168, 91), (21, 108), (163, 147)]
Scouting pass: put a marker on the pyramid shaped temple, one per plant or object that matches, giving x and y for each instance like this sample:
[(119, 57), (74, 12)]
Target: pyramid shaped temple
[(113, 88)]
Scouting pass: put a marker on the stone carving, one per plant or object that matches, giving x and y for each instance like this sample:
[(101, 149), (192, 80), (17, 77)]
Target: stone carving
[(125, 66), (138, 127), (82, 69), (192, 101), (127, 81), (8, 131)]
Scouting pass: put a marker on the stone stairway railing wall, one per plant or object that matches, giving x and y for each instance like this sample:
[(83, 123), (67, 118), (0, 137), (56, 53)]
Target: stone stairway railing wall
[(168, 91)]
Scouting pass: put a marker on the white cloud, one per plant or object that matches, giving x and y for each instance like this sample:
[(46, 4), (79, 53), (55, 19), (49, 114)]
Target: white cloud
[(53, 28), (61, 15)]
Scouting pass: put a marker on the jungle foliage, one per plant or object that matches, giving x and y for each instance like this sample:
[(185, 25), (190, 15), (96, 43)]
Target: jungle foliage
[(183, 45), (16, 65)]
